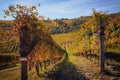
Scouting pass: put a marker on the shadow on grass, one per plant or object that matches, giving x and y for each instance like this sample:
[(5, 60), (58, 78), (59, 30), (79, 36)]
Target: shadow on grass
[(113, 56), (66, 71), (7, 66), (114, 66)]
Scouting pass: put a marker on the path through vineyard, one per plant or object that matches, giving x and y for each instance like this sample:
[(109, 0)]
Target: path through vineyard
[(66, 70), (74, 68), (70, 68)]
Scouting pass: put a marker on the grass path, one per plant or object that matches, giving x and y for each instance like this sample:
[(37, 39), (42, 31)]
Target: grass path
[(66, 71), (77, 68)]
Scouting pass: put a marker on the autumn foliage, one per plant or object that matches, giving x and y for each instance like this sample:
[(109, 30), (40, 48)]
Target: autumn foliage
[(35, 41)]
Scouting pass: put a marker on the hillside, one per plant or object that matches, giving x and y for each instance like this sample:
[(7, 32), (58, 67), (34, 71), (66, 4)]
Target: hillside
[(71, 55), (64, 25), (70, 21)]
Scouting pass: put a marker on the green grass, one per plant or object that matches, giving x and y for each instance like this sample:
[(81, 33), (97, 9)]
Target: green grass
[(10, 75), (65, 37)]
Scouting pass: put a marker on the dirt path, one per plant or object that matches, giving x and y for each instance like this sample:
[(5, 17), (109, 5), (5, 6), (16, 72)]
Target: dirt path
[(66, 71), (76, 68)]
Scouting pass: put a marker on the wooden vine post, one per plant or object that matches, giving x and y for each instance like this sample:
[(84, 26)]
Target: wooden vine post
[(101, 37), (24, 50)]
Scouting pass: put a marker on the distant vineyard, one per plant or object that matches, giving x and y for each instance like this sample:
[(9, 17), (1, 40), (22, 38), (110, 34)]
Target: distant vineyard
[(9, 54), (9, 47)]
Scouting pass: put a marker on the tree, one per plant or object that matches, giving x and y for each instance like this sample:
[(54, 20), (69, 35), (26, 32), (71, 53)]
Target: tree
[(26, 23), (32, 31)]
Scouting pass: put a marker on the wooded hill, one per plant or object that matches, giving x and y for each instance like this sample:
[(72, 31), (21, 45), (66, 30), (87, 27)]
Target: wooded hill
[(71, 25), (64, 25)]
